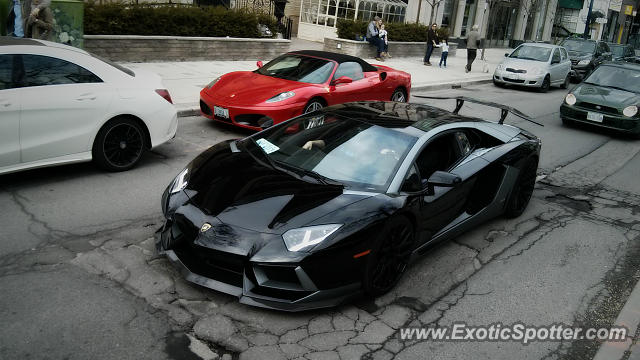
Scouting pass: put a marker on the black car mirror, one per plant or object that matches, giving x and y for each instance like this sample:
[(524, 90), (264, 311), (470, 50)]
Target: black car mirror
[(412, 184), (443, 178), (506, 54)]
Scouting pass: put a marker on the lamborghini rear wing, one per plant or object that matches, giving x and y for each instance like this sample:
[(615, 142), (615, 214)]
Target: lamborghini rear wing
[(504, 109)]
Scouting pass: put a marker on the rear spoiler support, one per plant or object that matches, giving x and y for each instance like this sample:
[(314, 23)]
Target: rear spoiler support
[(504, 109)]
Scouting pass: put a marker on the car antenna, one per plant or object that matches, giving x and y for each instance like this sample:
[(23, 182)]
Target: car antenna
[(504, 109)]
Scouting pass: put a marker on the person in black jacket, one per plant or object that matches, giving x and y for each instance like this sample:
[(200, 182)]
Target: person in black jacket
[(432, 41)]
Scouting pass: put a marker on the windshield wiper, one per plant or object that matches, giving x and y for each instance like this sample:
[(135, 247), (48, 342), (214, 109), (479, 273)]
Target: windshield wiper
[(607, 86), (321, 179)]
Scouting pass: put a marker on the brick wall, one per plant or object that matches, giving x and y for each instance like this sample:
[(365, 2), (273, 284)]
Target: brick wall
[(365, 50), (137, 48)]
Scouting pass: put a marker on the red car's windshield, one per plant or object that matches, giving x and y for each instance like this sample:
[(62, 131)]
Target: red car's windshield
[(298, 68)]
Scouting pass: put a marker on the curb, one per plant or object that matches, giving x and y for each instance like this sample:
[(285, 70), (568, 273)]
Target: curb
[(194, 110), (629, 317)]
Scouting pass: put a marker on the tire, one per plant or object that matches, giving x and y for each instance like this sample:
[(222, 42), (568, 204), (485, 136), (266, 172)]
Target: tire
[(522, 189), (567, 81), (399, 95), (312, 106), (390, 257), (566, 122), (498, 84), (546, 84), (119, 145)]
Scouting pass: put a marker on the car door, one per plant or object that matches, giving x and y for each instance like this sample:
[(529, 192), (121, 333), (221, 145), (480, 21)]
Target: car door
[(9, 113), (555, 68), (356, 90), (440, 205), (566, 62), (61, 105)]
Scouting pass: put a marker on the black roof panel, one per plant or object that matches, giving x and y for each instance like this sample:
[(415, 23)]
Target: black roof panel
[(339, 58), (9, 40)]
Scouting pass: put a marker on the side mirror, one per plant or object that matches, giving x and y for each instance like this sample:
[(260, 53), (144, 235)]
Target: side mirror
[(342, 80), (443, 178), (412, 184), (259, 64), (506, 54)]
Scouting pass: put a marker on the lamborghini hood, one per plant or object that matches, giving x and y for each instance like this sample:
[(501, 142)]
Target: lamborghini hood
[(241, 192)]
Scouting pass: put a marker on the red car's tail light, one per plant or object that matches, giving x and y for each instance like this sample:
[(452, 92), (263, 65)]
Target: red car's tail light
[(165, 94)]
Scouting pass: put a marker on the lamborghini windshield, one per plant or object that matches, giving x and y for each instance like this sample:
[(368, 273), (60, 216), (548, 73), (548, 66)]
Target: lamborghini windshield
[(355, 153), (299, 68)]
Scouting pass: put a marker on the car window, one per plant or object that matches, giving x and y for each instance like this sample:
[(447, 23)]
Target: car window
[(579, 46), (6, 66), (465, 144), (615, 77), (350, 69), (440, 154), (44, 70), (556, 56), (531, 52), (298, 68), (563, 52)]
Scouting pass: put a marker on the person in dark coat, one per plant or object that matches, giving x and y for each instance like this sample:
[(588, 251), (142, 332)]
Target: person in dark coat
[(39, 26), (432, 41)]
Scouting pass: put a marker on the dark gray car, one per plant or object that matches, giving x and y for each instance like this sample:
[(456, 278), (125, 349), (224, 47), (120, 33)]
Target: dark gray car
[(585, 55)]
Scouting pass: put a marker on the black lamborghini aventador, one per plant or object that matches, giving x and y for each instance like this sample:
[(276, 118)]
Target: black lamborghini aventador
[(336, 203)]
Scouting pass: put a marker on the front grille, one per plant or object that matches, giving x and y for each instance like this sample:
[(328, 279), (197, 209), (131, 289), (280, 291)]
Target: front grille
[(517, 71), (599, 108), (513, 80), (217, 265), (205, 108)]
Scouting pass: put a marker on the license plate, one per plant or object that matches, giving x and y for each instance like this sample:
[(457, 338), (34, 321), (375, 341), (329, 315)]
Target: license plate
[(221, 112), (592, 116)]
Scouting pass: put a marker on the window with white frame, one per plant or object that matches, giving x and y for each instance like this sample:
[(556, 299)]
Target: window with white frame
[(326, 12)]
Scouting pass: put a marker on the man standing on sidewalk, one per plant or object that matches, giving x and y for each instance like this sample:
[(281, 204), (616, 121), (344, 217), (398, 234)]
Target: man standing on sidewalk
[(432, 41), (373, 38), (473, 40)]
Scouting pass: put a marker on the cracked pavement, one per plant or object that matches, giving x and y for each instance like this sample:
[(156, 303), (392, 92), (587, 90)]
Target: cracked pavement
[(81, 278)]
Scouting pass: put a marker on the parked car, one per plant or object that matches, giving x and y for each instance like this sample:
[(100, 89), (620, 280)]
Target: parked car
[(60, 104), (609, 97), (622, 52), (335, 203), (585, 55), (535, 65), (296, 83)]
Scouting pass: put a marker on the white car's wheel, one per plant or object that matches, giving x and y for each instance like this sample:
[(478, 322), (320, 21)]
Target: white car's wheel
[(119, 145)]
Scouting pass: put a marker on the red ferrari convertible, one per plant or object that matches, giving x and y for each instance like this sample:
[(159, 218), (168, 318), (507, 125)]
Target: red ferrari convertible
[(296, 83)]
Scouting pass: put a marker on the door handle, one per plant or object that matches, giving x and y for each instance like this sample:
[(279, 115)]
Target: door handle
[(86, 97)]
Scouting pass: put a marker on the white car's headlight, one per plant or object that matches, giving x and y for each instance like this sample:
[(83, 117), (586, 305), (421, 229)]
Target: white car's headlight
[(213, 83), (500, 67), (630, 111), (570, 99), (282, 96), (535, 71), (303, 239), (180, 182), (583, 62)]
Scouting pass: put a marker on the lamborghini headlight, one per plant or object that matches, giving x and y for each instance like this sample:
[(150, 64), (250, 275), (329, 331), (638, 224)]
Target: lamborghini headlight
[(583, 62), (282, 96), (180, 182), (303, 239), (210, 85), (630, 111)]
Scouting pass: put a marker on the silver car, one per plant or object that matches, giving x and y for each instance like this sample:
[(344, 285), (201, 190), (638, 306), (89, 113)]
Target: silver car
[(534, 65)]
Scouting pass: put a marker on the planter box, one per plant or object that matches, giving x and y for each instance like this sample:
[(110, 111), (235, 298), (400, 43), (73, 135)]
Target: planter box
[(363, 49), (137, 48)]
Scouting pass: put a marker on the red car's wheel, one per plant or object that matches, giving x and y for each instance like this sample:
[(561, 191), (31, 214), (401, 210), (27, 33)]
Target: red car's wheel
[(312, 106), (399, 95)]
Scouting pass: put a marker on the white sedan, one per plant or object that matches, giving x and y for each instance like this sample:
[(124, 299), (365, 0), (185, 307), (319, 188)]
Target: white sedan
[(60, 105)]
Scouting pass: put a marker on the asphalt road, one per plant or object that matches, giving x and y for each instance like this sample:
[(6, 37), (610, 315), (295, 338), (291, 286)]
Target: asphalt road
[(79, 277)]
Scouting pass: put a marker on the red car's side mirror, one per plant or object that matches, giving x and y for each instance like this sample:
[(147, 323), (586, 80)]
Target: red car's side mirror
[(259, 64), (342, 80)]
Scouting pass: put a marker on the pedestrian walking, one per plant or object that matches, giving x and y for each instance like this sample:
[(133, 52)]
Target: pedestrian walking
[(373, 37), (432, 41), (473, 41), (16, 22), (444, 48)]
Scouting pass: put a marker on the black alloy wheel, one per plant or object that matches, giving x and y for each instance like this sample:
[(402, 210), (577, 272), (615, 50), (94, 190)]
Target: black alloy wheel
[(389, 259), (523, 189), (119, 145), (566, 82), (546, 84)]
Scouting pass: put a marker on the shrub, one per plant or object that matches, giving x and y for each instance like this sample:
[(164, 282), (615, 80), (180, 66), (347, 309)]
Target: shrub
[(173, 20), (350, 29)]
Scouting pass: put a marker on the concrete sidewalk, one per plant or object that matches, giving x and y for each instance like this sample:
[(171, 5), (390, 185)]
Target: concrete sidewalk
[(184, 80)]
